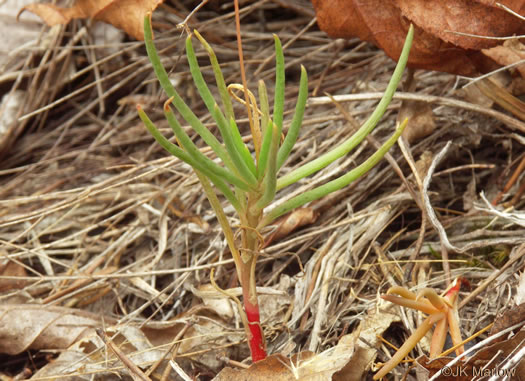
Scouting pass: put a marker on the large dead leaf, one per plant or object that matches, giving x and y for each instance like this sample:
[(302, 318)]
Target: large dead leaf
[(24, 327), (127, 15), (436, 45), (85, 361)]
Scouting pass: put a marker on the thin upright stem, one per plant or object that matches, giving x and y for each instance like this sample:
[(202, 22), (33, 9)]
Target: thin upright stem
[(256, 135)]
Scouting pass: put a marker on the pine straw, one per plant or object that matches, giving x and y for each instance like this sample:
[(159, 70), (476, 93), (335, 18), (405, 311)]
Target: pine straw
[(86, 194)]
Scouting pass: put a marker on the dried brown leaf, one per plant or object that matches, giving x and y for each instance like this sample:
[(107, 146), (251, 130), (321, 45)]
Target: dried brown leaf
[(274, 367), (366, 342), (436, 46), (291, 222), (84, 359), (502, 97), (420, 120), (24, 327), (508, 318), (127, 15), (12, 269), (509, 53), (426, 368), (304, 366)]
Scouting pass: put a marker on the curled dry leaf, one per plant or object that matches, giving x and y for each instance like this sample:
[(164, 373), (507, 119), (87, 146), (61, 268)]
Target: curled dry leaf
[(437, 43), (215, 300), (127, 15)]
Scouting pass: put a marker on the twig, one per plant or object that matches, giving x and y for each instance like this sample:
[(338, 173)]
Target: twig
[(134, 371), (176, 367), (428, 206), (509, 121)]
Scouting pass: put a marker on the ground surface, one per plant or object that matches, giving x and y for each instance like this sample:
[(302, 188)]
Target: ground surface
[(100, 227)]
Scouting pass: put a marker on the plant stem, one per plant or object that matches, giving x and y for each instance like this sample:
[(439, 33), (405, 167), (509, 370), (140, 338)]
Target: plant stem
[(245, 266), (256, 340), (249, 254)]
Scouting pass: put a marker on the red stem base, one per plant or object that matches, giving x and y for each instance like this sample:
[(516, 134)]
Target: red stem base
[(256, 341)]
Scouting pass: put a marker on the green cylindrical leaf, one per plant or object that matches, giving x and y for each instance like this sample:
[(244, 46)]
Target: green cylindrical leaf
[(197, 155), (231, 147), (293, 131), (219, 78), (270, 176), (333, 185), (354, 140), (265, 150), (187, 158), (241, 147), (178, 102), (265, 107), (278, 104)]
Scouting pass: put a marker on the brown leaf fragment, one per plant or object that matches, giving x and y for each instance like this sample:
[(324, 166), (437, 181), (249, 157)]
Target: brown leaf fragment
[(274, 367), (508, 318), (509, 53), (372, 326), (127, 15), (12, 269), (291, 222), (428, 367), (420, 120), (502, 97), (491, 360), (474, 95)]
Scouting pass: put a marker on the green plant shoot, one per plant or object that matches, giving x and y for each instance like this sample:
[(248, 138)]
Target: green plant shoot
[(250, 181)]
